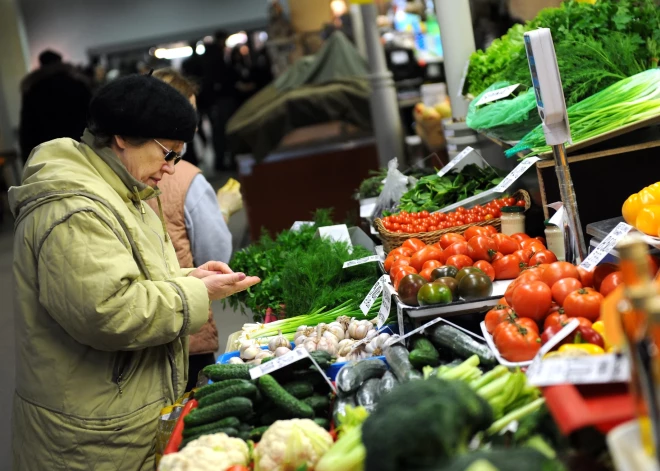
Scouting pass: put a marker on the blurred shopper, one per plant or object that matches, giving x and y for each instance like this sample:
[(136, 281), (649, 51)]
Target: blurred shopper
[(219, 89), (197, 227), (245, 85), (193, 69), (104, 312), (54, 101)]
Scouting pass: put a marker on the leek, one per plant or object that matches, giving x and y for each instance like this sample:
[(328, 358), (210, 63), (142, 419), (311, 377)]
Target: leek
[(628, 101)]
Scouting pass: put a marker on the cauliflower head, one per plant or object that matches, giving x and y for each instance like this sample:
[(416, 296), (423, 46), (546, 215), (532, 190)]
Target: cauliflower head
[(208, 453), (289, 444)]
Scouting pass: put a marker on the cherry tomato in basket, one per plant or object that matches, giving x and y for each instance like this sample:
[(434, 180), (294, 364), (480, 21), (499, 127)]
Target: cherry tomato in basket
[(520, 203)]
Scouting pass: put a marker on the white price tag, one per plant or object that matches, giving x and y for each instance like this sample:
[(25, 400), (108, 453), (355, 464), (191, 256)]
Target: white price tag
[(300, 224), (360, 261), (557, 219), (278, 363), (606, 246), (596, 369), (498, 94), (515, 174), (372, 295), (338, 233), (452, 163), (459, 94), (384, 311), (399, 317)]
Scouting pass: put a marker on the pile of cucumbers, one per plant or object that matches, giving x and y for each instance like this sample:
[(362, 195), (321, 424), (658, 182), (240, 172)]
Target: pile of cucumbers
[(244, 408)]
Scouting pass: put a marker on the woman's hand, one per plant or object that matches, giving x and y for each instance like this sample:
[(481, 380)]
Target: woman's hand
[(211, 268), (221, 281)]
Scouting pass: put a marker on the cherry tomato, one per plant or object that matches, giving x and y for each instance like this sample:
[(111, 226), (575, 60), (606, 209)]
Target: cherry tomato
[(610, 283), (601, 271), (450, 238), (496, 316), (520, 236), (559, 270), (420, 257), (584, 302), (563, 288), (506, 244), (542, 256), (524, 254), (459, 248), (481, 248), (507, 268), (475, 231), (532, 299), (400, 272), (485, 267), (586, 277), (561, 319), (520, 203), (414, 244), (460, 261), (517, 343), (403, 251), (431, 264)]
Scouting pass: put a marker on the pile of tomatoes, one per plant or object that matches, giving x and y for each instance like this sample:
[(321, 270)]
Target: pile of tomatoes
[(543, 299), (412, 223)]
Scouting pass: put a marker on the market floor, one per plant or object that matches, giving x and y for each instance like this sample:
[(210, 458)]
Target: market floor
[(227, 320)]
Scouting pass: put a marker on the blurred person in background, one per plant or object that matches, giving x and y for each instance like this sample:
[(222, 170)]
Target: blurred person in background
[(197, 227), (245, 85), (54, 101)]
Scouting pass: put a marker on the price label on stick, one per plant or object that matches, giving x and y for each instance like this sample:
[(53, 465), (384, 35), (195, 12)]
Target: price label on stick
[(373, 295), (498, 94), (360, 261), (384, 311), (515, 174), (399, 317), (606, 246), (278, 363), (455, 161)]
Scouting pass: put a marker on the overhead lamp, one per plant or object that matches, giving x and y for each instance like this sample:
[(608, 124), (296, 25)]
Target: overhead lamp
[(174, 52)]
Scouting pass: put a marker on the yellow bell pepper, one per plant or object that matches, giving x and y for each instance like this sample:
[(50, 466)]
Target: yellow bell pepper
[(589, 348), (600, 328), (631, 209), (648, 220)]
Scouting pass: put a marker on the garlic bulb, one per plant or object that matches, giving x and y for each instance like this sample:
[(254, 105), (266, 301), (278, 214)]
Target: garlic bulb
[(330, 336), (344, 347), (254, 362), (327, 345), (278, 341), (377, 345), (245, 344), (264, 354), (236, 361), (281, 351), (359, 329), (344, 321), (300, 340), (336, 329), (310, 344), (250, 353), (303, 330)]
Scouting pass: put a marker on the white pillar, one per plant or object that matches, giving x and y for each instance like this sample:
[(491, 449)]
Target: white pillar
[(358, 29), (457, 38), (384, 105)]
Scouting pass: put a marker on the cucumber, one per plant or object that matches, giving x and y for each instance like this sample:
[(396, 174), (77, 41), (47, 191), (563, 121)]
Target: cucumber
[(299, 389), (238, 407), (351, 380), (397, 357), (308, 376), (323, 358), (423, 353), (282, 399), (223, 372), (339, 407), (227, 422), (232, 432), (240, 390), (244, 428), (256, 433), (215, 387), (368, 394), (274, 415), (319, 404), (321, 422), (464, 346), (245, 436), (387, 383)]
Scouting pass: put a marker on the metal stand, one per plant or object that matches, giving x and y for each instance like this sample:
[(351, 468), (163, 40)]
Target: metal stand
[(576, 250)]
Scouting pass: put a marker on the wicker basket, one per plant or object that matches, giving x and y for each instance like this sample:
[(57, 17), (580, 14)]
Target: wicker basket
[(392, 240)]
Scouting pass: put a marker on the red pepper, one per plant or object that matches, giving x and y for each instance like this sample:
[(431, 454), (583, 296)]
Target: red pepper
[(553, 330), (586, 334)]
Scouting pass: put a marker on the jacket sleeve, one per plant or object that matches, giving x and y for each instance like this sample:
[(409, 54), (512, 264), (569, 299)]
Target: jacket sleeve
[(89, 283)]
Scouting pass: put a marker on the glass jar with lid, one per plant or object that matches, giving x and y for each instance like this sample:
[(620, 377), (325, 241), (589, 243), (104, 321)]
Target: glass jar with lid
[(554, 236), (513, 220)]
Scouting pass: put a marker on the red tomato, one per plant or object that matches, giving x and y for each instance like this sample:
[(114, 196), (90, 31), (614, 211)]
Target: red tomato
[(532, 299), (491, 230), (517, 343), (431, 264), (563, 288), (438, 246), (542, 240), (559, 270), (450, 238), (481, 248), (524, 254), (586, 277), (533, 245), (485, 267), (496, 316), (508, 294), (458, 248), (391, 259), (496, 257), (503, 302), (473, 231), (460, 261), (426, 273), (420, 257), (542, 256), (238, 467), (403, 251), (530, 274), (398, 273), (610, 283), (584, 302), (507, 268), (601, 271), (520, 236), (400, 262), (513, 319), (506, 244), (561, 319), (414, 244)]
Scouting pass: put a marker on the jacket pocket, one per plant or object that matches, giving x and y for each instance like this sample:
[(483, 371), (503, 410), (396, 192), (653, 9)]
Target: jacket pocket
[(123, 363)]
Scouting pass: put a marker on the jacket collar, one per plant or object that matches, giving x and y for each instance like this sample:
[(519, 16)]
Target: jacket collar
[(138, 190)]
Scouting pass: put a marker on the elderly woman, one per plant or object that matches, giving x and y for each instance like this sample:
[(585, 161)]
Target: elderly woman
[(104, 311)]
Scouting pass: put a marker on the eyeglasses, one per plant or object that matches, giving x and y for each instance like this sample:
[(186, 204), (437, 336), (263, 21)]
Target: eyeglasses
[(170, 155)]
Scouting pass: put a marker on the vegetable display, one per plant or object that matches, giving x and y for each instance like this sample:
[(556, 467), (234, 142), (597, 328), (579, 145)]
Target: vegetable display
[(432, 192), (642, 210), (208, 453)]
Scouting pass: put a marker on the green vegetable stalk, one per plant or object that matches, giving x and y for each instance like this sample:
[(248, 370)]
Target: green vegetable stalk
[(348, 453)]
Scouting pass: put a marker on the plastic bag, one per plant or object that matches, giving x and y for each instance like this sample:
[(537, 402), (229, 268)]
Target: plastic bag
[(396, 184), (509, 119)]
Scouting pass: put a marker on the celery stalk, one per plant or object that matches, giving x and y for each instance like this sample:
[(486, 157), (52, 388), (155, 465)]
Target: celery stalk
[(517, 414), (493, 374)]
